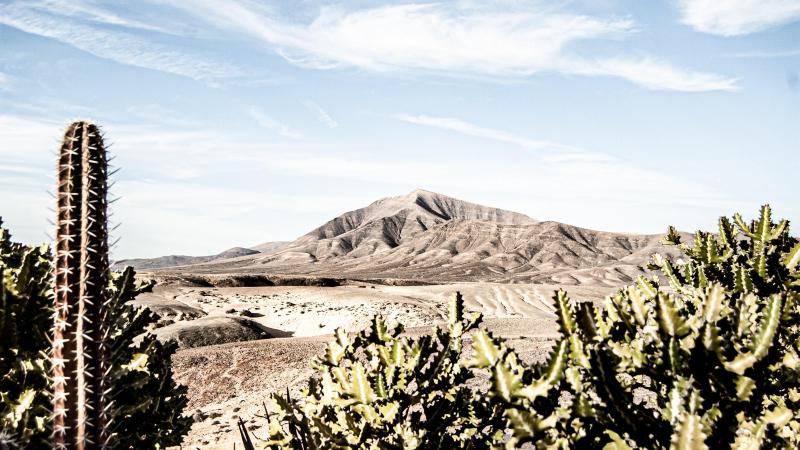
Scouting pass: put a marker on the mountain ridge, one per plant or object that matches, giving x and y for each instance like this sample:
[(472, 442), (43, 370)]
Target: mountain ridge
[(425, 236)]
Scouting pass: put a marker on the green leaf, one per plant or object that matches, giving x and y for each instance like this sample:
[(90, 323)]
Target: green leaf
[(566, 315), (646, 286), (762, 230), (763, 341), (360, 388), (689, 434), (455, 310), (743, 226), (506, 382), (486, 352), (672, 237), (638, 304), (712, 302), (792, 259), (617, 443), (555, 370), (669, 318)]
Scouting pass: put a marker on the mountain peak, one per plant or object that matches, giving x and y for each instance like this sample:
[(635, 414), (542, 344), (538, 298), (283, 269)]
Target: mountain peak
[(385, 223)]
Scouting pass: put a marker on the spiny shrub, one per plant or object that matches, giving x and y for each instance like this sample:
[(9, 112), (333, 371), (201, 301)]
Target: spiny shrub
[(703, 355), (147, 403), (379, 389), (25, 312)]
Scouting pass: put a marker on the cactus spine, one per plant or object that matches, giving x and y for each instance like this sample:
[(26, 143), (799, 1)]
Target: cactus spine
[(80, 355)]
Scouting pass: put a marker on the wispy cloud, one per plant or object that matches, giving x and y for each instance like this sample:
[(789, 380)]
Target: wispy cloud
[(321, 114), (737, 17), (122, 47), (271, 124), (446, 39), (654, 74), (469, 129), (766, 54), (94, 12)]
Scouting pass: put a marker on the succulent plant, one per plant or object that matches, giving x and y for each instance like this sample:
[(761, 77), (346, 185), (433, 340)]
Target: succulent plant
[(25, 319), (702, 355), (380, 389), (80, 336)]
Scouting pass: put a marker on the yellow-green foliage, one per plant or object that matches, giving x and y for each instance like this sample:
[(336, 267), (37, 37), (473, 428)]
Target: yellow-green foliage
[(25, 319), (703, 355)]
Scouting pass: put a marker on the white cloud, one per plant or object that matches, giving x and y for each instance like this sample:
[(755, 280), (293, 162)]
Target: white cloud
[(466, 128), (737, 17), (124, 48), (321, 114), (271, 124), (445, 39), (653, 74)]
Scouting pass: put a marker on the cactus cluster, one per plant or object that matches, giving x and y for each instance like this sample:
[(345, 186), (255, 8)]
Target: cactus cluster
[(25, 305), (100, 379), (704, 354), (380, 389)]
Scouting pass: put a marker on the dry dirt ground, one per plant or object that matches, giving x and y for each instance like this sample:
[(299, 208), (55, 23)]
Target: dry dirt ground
[(241, 344)]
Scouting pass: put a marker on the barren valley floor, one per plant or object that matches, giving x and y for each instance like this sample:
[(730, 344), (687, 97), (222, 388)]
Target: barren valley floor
[(241, 344)]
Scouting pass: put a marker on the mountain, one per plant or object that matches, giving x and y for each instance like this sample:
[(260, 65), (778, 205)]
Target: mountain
[(181, 260), (425, 236), (384, 224)]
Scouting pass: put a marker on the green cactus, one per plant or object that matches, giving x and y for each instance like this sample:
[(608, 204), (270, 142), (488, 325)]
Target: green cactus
[(80, 354), (711, 361), (380, 389)]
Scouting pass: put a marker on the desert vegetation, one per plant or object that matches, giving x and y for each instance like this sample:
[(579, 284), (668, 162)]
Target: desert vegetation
[(702, 354), (79, 368)]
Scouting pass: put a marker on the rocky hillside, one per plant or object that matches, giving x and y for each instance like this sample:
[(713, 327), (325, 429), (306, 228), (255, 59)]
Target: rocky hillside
[(425, 236)]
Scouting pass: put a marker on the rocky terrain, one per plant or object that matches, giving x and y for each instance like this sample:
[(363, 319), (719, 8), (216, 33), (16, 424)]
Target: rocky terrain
[(248, 321)]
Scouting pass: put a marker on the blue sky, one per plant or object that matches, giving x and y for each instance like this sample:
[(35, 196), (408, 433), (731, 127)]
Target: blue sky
[(240, 122)]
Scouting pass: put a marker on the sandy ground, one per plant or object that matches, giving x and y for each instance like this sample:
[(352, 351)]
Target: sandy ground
[(235, 379)]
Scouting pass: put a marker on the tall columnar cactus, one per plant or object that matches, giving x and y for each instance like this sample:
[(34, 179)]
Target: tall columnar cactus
[(80, 356)]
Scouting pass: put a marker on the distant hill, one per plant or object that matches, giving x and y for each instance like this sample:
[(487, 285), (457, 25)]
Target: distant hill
[(181, 260), (427, 236)]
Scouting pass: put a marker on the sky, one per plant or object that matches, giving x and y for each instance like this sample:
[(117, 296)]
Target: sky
[(239, 122)]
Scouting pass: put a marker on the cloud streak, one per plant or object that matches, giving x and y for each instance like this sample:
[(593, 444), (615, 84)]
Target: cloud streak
[(321, 114), (469, 129), (122, 47), (271, 124), (444, 39), (737, 17)]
